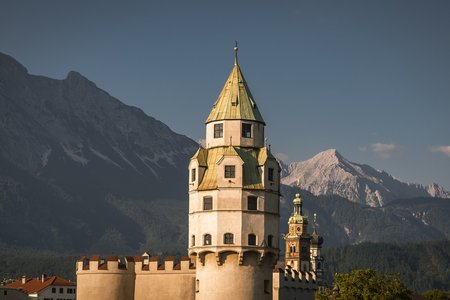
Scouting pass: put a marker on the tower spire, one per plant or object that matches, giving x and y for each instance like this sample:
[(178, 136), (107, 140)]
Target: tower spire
[(236, 48)]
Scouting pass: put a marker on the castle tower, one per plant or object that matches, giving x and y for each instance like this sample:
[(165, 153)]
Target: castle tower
[(298, 240), (234, 200), (317, 259)]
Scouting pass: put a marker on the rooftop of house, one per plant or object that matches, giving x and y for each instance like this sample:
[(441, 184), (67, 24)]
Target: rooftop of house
[(35, 285)]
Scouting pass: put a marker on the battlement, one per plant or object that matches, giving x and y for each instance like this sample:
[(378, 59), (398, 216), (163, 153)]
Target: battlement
[(290, 278), (153, 264), (134, 264)]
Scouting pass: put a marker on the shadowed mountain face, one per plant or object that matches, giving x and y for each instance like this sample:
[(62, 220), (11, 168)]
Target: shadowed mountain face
[(81, 170), (329, 173)]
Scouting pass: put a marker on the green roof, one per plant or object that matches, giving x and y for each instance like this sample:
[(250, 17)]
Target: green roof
[(252, 159), (235, 101)]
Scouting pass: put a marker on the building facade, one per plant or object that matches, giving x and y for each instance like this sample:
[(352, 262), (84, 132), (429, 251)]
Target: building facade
[(42, 288), (234, 213)]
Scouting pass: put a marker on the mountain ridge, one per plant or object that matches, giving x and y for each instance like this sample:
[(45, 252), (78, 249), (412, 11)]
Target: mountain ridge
[(328, 172)]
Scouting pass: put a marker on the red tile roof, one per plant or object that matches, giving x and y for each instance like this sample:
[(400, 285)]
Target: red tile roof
[(35, 285)]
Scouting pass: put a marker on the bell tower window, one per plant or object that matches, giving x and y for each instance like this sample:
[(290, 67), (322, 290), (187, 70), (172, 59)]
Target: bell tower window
[(246, 130), (230, 171), (228, 238), (218, 130)]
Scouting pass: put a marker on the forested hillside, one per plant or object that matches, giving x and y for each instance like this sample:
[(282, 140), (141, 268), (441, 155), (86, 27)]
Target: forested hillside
[(421, 266)]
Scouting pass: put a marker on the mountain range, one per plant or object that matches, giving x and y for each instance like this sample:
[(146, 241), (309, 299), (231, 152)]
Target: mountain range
[(329, 173), (82, 172)]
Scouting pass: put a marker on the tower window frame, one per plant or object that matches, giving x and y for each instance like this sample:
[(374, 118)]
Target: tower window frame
[(193, 174), (252, 203), (247, 130), (230, 171), (228, 238), (270, 240), (218, 130), (270, 174), (252, 239), (207, 239), (207, 203)]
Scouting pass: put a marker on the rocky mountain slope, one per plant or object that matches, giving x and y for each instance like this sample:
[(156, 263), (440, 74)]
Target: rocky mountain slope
[(81, 170), (329, 173)]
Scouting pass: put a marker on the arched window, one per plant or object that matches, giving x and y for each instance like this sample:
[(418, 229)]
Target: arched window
[(228, 238), (270, 240), (207, 239), (252, 239)]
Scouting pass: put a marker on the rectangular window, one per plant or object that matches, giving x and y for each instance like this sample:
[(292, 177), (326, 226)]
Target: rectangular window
[(230, 171), (207, 203), (252, 203), (193, 174), (193, 240), (218, 130), (266, 287), (54, 289), (246, 130), (61, 290), (197, 286), (270, 174)]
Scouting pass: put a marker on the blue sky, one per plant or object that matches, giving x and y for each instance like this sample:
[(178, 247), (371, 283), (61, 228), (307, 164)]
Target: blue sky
[(369, 78)]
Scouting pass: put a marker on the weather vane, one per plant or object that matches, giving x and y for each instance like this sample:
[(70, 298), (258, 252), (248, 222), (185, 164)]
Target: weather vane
[(236, 48)]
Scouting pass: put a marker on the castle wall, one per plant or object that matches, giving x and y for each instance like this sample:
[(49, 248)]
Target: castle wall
[(165, 281), (249, 280), (105, 280), (292, 285)]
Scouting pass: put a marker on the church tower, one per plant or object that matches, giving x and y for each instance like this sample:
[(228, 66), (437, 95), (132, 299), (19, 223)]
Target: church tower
[(298, 240), (234, 190)]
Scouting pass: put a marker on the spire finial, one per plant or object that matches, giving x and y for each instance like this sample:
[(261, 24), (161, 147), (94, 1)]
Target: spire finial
[(236, 48)]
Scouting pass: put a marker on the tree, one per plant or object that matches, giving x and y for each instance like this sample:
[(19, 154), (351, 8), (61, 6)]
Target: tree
[(366, 285)]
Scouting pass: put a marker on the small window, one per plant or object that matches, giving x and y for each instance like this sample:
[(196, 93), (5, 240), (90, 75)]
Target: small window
[(230, 171), (193, 174), (270, 241), (228, 238), (246, 130), (270, 174), (197, 286), (5, 293), (252, 239), (61, 290), (193, 240), (266, 287), (207, 239), (252, 203), (218, 131), (207, 203), (54, 289)]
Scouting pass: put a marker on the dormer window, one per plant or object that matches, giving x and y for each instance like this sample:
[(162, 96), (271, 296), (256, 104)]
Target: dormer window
[(246, 130), (218, 130), (193, 174), (230, 171)]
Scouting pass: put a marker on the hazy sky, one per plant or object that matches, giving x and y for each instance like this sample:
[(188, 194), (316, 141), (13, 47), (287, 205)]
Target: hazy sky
[(369, 78)]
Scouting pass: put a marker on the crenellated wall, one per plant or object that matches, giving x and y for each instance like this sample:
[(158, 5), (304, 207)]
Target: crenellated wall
[(169, 280), (111, 278), (289, 284), (138, 278)]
